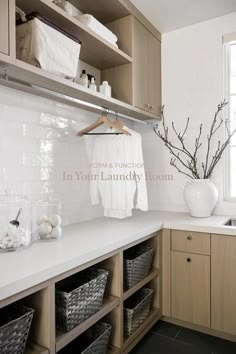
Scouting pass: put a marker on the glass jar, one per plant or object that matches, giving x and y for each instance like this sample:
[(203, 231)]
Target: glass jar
[(47, 220), (15, 222)]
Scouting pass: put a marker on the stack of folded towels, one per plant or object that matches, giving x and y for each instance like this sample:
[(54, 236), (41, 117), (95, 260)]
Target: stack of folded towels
[(90, 22)]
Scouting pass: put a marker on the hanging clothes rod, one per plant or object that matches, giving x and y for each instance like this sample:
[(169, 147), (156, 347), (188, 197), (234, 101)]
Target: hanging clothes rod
[(36, 90)]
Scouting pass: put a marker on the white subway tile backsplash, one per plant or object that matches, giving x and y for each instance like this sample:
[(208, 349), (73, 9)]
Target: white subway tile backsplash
[(38, 146)]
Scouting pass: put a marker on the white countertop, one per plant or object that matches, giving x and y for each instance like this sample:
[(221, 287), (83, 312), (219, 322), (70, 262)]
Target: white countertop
[(89, 240)]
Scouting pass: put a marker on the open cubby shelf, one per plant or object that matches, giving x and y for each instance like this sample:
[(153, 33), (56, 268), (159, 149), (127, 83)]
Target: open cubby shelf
[(44, 338), (152, 275), (62, 338)]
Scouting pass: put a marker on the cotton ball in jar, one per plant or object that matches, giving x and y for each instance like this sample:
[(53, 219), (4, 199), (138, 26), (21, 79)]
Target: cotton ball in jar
[(55, 220), (56, 232), (44, 229)]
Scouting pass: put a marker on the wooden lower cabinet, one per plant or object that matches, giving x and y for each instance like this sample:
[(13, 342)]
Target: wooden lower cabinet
[(190, 288), (223, 283)]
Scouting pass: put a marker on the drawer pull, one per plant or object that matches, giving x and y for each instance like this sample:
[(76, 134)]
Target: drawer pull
[(189, 237), (188, 260)]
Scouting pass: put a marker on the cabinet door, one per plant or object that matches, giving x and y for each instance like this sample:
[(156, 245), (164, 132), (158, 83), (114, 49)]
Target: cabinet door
[(190, 288), (140, 66), (154, 68), (223, 283), (4, 26)]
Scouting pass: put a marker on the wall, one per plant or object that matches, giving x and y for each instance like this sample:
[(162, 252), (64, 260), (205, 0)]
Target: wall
[(39, 147), (192, 65)]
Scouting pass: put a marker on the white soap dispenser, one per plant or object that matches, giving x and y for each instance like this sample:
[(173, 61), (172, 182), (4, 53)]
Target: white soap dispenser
[(83, 81), (93, 85)]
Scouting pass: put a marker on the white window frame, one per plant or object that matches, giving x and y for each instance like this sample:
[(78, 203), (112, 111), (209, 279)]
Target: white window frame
[(228, 40)]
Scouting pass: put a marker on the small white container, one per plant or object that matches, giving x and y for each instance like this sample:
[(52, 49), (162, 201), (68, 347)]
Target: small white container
[(105, 89), (92, 85)]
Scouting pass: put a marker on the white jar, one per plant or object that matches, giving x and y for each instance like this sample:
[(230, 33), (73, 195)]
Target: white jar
[(105, 89), (47, 220)]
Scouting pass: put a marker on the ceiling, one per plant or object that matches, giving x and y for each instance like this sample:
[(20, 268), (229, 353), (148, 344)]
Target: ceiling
[(168, 15)]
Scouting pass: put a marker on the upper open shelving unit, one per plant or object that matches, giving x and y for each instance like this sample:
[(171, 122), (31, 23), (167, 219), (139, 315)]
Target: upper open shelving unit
[(106, 60), (95, 50)]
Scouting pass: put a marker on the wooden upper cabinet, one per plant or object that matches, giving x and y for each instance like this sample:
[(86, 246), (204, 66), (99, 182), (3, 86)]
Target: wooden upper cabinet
[(146, 69), (223, 283), (4, 26), (190, 288)]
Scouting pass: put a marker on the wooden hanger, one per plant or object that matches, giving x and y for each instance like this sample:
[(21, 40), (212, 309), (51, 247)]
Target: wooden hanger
[(118, 126)]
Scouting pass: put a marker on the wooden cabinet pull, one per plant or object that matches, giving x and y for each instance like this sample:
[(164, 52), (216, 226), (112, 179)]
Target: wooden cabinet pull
[(189, 260), (189, 237)]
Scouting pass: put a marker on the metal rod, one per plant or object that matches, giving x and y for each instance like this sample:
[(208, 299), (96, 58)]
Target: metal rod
[(5, 80)]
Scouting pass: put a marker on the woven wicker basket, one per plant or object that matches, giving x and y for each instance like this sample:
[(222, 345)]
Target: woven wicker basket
[(93, 341), (136, 310), (15, 322), (79, 297), (137, 264)]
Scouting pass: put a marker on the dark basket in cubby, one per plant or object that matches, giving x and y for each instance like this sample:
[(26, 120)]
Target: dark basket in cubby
[(137, 264), (79, 297), (15, 322), (136, 310), (93, 341)]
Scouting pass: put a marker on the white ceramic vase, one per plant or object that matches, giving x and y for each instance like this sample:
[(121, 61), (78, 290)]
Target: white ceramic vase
[(201, 196)]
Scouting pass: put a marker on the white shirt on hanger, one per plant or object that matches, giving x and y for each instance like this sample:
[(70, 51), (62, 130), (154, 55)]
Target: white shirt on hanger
[(118, 175)]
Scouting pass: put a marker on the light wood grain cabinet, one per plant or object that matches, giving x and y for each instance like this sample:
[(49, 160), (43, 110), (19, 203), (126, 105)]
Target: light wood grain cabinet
[(190, 288), (4, 26), (223, 283), (146, 69)]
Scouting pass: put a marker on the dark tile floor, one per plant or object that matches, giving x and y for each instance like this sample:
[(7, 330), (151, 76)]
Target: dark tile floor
[(166, 338)]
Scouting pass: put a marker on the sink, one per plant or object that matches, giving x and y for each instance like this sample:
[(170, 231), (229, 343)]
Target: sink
[(231, 222)]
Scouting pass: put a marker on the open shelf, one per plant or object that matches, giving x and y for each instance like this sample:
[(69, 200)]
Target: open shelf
[(111, 10), (153, 274), (32, 348), (95, 50), (131, 341), (30, 75), (62, 338)]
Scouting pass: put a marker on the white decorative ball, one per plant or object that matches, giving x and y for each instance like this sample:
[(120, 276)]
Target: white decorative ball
[(42, 219), (44, 229), (55, 220), (56, 232)]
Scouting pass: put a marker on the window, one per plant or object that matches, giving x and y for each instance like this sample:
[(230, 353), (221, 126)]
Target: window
[(230, 94)]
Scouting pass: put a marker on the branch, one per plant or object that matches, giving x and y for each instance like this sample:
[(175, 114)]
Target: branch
[(213, 130), (173, 163)]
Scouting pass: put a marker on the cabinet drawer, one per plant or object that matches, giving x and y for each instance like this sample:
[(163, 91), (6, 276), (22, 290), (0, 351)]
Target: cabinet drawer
[(4, 26), (192, 242)]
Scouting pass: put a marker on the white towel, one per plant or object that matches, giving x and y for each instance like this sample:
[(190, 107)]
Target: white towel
[(96, 26), (117, 174)]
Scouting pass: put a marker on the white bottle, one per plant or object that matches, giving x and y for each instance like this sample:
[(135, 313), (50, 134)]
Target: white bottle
[(105, 89), (93, 85), (83, 81)]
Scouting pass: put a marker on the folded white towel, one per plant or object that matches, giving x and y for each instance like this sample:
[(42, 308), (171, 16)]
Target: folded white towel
[(96, 26)]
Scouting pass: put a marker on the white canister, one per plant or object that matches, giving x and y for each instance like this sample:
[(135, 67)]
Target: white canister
[(105, 89), (47, 220)]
